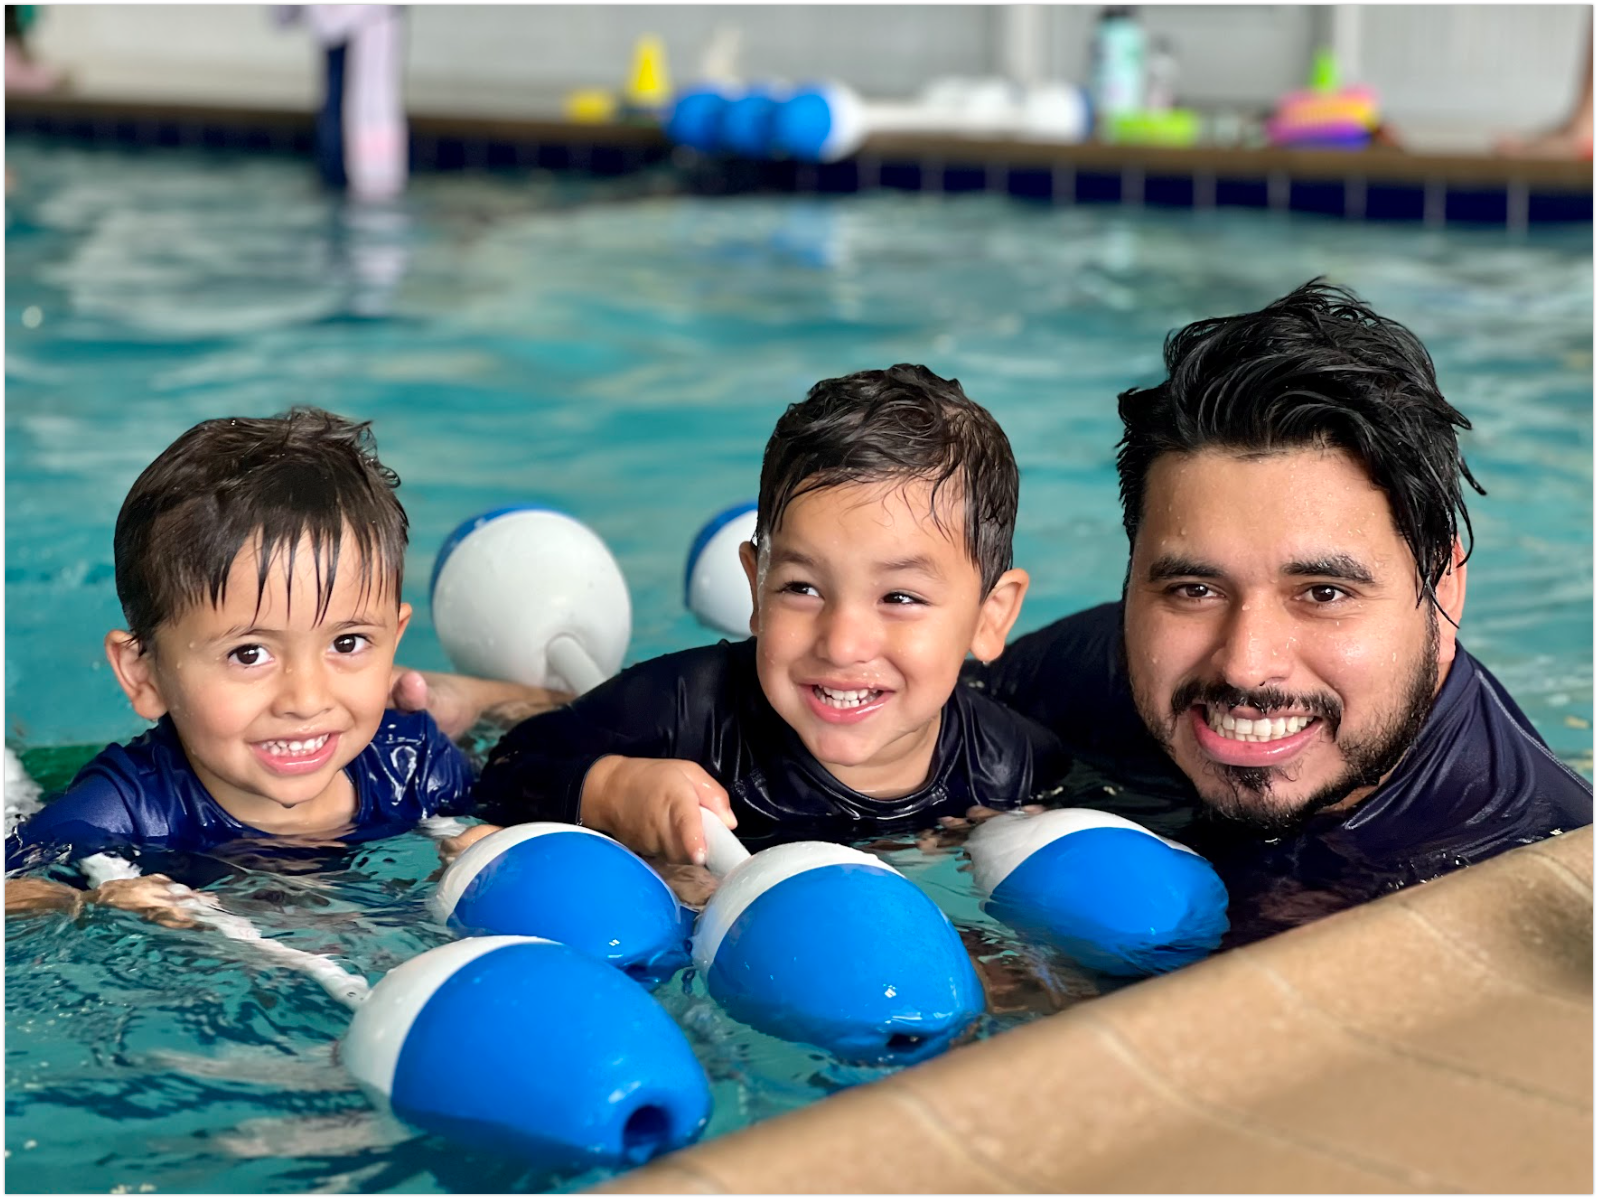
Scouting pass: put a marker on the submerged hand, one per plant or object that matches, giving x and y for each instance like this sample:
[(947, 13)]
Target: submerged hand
[(153, 896)]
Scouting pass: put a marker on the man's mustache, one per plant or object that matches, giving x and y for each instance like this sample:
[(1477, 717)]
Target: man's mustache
[(1214, 693)]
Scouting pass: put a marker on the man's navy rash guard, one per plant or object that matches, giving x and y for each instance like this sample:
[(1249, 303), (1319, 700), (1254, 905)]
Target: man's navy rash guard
[(705, 705), (1477, 781), (145, 795)]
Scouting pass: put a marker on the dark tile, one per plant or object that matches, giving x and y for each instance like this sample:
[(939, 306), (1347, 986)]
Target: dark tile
[(608, 160), (1560, 206), (838, 178), (1168, 191), (905, 176), (554, 156), (1477, 205), (498, 155), (451, 154), (299, 141), (965, 179), (168, 134), (1031, 183), (1395, 202), (1317, 195), (1093, 187), (1242, 193)]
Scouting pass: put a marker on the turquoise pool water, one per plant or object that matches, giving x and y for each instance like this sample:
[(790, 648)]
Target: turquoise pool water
[(622, 355)]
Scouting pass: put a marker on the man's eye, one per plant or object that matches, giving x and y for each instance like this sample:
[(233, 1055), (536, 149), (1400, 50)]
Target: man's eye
[(1325, 593), (348, 643), (250, 655), (1193, 591)]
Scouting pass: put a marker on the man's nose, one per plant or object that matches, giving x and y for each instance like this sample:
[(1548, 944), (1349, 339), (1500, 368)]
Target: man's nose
[(1255, 647), (848, 634)]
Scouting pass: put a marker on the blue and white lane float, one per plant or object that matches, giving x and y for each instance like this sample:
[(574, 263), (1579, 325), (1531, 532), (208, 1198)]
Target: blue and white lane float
[(824, 944), (1115, 896), (527, 1046), (715, 588), (572, 885), (530, 595), (514, 1044)]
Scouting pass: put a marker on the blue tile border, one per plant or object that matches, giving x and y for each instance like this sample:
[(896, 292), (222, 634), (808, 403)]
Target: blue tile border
[(556, 148)]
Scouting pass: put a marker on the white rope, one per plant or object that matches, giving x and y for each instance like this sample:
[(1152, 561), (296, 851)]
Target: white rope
[(349, 989)]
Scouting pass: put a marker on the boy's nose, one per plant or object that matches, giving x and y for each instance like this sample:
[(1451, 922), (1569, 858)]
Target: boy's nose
[(302, 693), (847, 635)]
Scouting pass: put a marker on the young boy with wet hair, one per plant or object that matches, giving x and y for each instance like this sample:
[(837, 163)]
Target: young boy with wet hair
[(258, 563), (881, 559)]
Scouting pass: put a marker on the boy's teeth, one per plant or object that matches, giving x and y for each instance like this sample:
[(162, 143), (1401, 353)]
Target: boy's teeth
[(283, 749), (844, 699), (1264, 729)]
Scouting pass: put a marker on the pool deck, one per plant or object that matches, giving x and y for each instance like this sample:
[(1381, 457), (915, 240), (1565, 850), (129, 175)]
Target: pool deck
[(1378, 183), (1437, 1039)]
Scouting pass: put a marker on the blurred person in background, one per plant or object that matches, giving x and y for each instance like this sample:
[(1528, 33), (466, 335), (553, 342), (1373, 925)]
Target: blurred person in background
[(1572, 137), (24, 75), (362, 142)]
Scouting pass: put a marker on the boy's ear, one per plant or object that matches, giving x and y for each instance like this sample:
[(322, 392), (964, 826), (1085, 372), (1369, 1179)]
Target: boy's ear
[(135, 671), (998, 614), (404, 622), (750, 557)]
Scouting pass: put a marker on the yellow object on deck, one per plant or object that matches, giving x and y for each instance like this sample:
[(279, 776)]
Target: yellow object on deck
[(649, 82), (590, 105)]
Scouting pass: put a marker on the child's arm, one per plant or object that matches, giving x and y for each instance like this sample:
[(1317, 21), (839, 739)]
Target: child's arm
[(26, 896), (623, 758)]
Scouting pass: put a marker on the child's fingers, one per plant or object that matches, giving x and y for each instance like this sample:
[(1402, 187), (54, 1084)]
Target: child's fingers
[(713, 795), (687, 843)]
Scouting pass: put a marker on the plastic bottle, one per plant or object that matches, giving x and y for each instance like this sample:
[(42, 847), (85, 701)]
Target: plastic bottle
[(1118, 63)]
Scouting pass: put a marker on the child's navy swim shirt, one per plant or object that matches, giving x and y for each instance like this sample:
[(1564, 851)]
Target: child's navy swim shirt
[(145, 793), (705, 705)]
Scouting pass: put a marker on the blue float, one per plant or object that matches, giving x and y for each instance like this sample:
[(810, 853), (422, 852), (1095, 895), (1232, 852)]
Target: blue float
[(572, 885), (1115, 896), (695, 119), (715, 588), (523, 1046), (746, 124), (824, 944)]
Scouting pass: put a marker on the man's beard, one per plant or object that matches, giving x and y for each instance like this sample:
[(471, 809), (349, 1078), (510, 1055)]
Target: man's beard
[(1368, 759)]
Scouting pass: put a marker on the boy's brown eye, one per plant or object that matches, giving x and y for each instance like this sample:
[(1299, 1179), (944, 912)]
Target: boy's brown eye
[(248, 655), (347, 644)]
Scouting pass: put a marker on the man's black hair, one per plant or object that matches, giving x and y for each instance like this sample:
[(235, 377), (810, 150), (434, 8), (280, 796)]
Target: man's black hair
[(272, 482), (1315, 368), (904, 423)]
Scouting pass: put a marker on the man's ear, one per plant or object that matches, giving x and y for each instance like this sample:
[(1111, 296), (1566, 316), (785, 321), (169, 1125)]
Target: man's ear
[(750, 557), (998, 614), (1450, 592), (135, 671)]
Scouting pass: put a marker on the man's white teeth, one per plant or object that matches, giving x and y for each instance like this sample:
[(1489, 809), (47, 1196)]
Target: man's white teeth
[(286, 749), (844, 699), (1263, 729)]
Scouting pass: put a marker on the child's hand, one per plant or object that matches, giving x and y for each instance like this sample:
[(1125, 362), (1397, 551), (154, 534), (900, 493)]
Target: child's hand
[(651, 805), (151, 896), (451, 848), (457, 701)]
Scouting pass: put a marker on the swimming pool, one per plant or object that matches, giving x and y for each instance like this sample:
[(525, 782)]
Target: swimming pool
[(622, 356)]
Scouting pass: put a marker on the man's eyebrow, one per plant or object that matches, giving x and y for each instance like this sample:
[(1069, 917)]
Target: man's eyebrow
[(1330, 566), (1175, 566)]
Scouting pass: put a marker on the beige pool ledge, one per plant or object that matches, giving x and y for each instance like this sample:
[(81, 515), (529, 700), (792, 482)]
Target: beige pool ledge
[(1438, 1039)]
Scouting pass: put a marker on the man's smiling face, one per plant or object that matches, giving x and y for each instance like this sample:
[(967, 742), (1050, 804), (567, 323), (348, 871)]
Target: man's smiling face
[(1273, 639)]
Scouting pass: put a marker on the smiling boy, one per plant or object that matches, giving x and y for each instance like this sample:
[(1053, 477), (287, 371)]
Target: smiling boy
[(259, 565), (881, 559)]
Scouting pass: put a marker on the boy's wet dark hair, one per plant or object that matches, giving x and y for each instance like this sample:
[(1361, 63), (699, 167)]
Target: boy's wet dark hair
[(270, 482), (904, 423), (1315, 368)]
